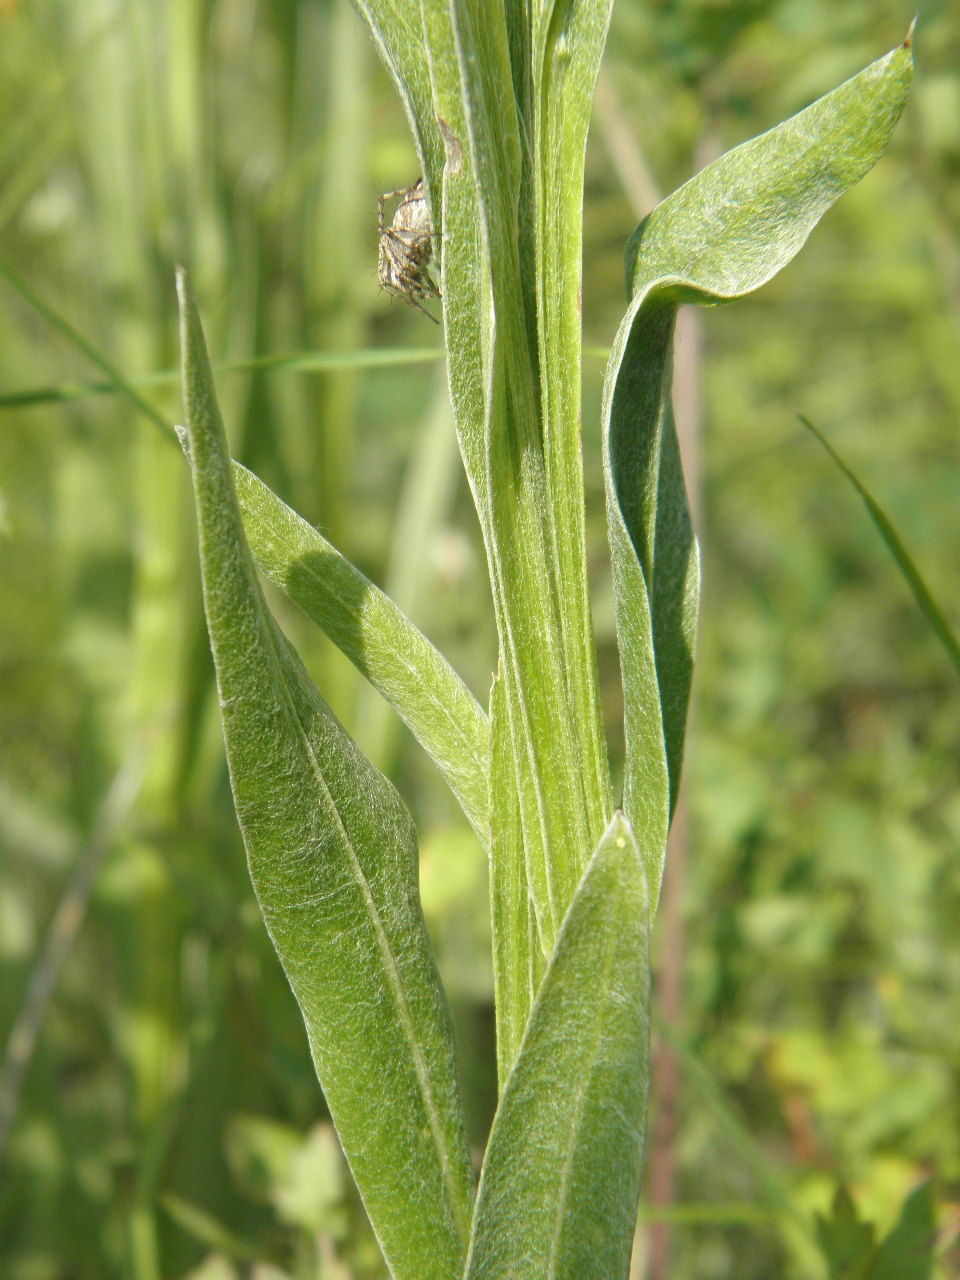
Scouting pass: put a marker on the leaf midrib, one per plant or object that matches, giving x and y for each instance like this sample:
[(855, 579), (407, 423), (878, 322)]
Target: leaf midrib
[(461, 1219)]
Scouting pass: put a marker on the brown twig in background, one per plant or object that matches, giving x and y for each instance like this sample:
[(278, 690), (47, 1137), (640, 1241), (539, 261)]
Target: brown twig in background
[(626, 156)]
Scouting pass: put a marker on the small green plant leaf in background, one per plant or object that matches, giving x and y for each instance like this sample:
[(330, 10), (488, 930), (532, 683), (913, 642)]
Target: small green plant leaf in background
[(907, 1252), (717, 238), (561, 1176), (333, 858), (905, 561), (847, 1243), (850, 1247)]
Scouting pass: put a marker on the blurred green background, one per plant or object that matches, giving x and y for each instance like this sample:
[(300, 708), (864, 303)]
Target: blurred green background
[(169, 1123)]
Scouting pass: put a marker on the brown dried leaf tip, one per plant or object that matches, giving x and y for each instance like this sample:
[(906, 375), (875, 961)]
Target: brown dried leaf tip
[(406, 247)]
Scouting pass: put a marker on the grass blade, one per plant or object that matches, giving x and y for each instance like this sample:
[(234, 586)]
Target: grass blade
[(797, 1229), (297, 361), (116, 378), (905, 562)]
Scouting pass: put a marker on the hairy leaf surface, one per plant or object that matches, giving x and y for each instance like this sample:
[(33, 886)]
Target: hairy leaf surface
[(720, 236), (333, 858), (561, 1177), (379, 640)]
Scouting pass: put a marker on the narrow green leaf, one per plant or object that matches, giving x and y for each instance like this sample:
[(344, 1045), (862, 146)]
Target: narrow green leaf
[(568, 41), (717, 238), (297, 361), (59, 322), (203, 1227), (905, 562), (798, 1232), (490, 311), (379, 640), (713, 1213), (333, 858), (561, 1177)]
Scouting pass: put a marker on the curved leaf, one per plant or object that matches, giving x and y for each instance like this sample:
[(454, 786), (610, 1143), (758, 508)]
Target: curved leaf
[(717, 238), (333, 858), (561, 1177)]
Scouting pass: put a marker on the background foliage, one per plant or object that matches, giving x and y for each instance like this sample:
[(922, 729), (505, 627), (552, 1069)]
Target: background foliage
[(170, 1122)]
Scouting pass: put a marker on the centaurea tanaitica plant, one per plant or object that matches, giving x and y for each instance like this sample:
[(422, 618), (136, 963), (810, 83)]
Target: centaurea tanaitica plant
[(498, 95)]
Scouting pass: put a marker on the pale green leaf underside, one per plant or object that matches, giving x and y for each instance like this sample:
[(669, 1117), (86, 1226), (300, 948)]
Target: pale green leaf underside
[(717, 238), (561, 1176), (397, 31), (379, 640), (333, 858)]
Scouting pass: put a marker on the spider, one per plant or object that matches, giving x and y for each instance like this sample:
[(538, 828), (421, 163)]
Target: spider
[(406, 248)]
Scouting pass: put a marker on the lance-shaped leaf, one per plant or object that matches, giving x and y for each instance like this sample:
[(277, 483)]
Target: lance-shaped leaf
[(379, 640), (723, 234), (333, 858), (561, 1177)]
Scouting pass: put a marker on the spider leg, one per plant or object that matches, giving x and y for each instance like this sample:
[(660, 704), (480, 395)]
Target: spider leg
[(400, 191), (414, 303), (405, 296)]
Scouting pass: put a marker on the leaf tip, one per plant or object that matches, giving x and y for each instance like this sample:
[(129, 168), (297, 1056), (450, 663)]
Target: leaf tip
[(619, 829), (186, 303), (183, 435), (199, 396), (908, 39)]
